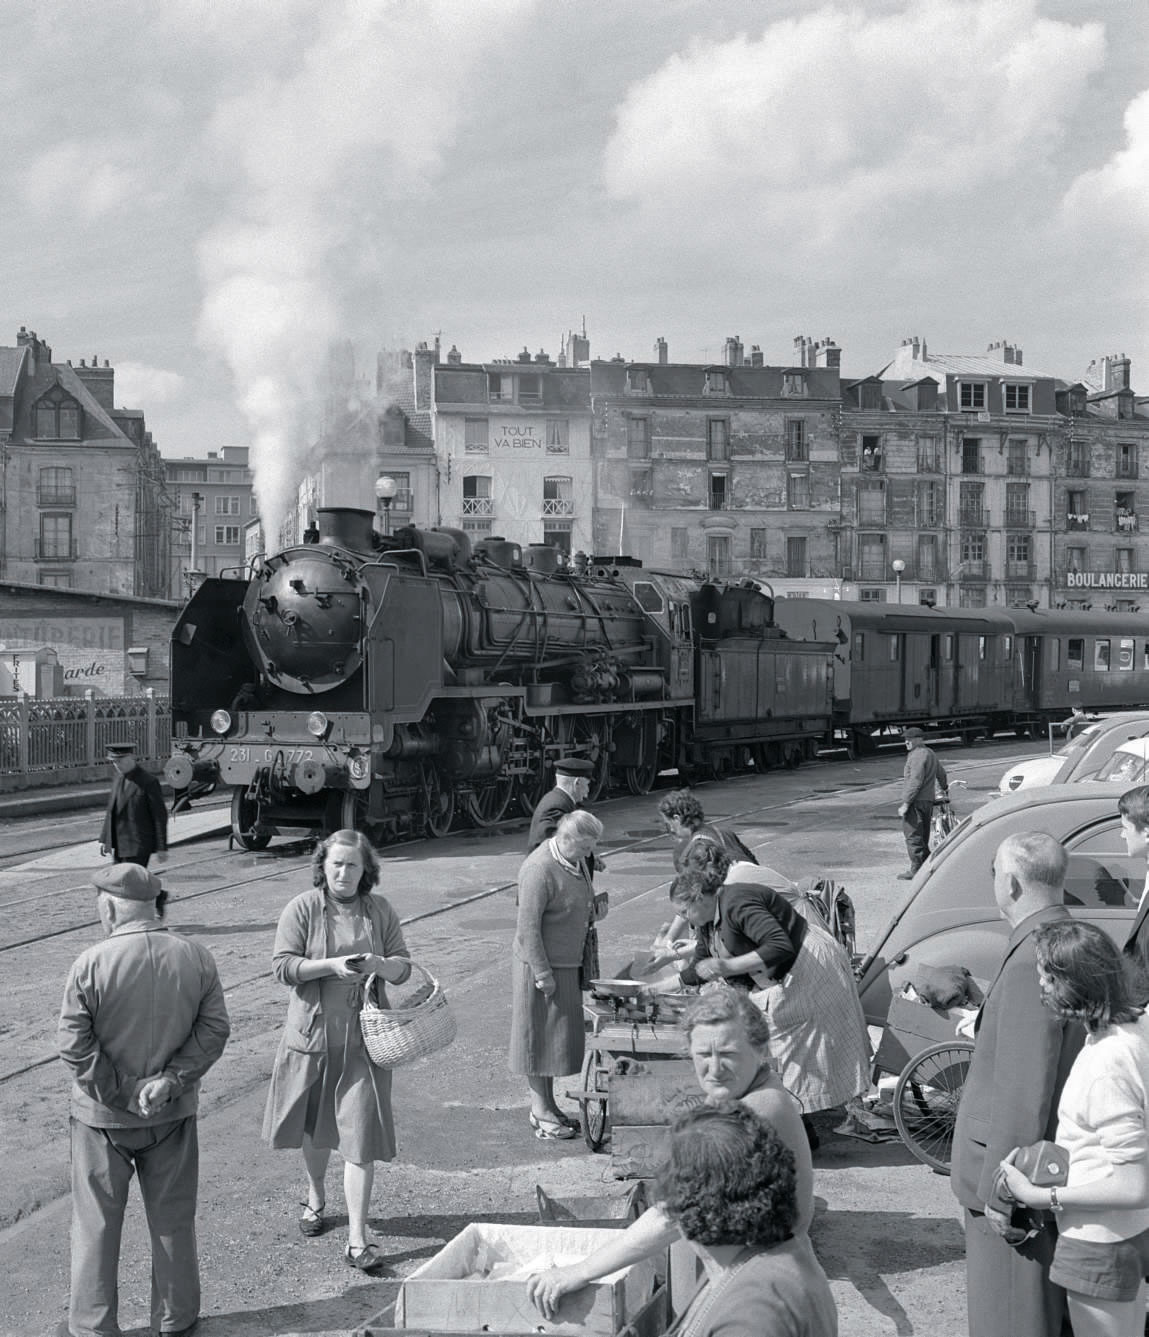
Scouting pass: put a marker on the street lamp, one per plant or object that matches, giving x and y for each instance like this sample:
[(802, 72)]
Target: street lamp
[(899, 566), (385, 490)]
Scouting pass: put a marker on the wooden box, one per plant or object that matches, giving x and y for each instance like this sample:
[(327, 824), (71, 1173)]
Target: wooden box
[(912, 1026), (613, 1211), (445, 1294), (652, 1320), (644, 1101)]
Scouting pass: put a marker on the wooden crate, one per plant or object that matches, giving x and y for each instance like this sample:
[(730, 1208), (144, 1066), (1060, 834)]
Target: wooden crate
[(912, 1026), (614, 1211), (643, 1103), (652, 1320), (444, 1294)]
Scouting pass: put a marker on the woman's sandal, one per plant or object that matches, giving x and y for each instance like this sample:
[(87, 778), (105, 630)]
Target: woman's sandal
[(311, 1222), (551, 1130), (366, 1259)]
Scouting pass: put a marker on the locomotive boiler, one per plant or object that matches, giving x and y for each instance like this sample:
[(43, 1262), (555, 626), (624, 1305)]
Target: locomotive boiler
[(395, 682)]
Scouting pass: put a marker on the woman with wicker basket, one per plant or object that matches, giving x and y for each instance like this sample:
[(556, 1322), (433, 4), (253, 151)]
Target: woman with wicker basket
[(557, 907), (326, 1095)]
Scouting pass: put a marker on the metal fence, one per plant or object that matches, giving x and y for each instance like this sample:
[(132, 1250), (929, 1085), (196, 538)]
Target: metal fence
[(65, 737)]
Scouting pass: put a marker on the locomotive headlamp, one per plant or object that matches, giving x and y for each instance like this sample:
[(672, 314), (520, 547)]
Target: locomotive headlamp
[(318, 724), (220, 721)]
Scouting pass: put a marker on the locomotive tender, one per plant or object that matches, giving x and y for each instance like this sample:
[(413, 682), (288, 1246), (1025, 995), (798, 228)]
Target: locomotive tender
[(391, 682)]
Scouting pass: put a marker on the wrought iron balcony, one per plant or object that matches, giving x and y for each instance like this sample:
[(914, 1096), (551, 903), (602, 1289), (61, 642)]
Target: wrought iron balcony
[(55, 551), (1077, 520), (478, 506), (1125, 522), (1019, 570), (973, 517), (1017, 518), (56, 496), (973, 571), (557, 506)]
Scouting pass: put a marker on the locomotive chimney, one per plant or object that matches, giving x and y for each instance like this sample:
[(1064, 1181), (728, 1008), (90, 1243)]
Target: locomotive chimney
[(345, 527)]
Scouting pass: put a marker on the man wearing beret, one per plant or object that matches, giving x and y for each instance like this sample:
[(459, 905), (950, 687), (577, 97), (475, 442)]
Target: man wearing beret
[(143, 1019), (136, 821), (920, 780)]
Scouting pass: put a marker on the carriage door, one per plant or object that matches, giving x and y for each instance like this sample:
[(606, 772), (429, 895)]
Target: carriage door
[(933, 675), (1031, 672), (917, 692)]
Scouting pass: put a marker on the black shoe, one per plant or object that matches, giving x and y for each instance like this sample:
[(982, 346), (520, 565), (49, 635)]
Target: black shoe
[(811, 1133), (908, 875)]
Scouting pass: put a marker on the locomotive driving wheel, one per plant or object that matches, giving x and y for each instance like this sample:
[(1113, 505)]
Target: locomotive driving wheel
[(488, 802), (438, 802), (640, 779), (245, 822), (347, 811), (585, 736)]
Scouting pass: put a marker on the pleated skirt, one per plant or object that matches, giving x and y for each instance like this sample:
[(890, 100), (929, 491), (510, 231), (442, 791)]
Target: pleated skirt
[(547, 1034), (818, 1038)]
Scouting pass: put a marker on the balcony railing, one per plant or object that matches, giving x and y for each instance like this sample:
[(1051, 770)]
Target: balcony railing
[(557, 506), (871, 569), (1077, 520), (927, 515), (872, 517), (1019, 570), (55, 496), (478, 506), (54, 551), (973, 571), (973, 517), (1016, 518), (1125, 522)]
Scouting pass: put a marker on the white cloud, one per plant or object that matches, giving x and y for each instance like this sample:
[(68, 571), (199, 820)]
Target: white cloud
[(93, 179), (143, 387), (1118, 191), (823, 117)]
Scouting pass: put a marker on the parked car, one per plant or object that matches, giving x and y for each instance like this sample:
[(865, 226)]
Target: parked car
[(1129, 764), (1082, 757), (949, 916)]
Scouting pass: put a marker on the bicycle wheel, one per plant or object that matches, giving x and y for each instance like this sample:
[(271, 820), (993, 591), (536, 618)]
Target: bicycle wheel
[(594, 1107), (926, 1100)]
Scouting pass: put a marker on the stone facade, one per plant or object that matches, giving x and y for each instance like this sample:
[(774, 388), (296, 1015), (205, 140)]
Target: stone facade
[(82, 500), (215, 496)]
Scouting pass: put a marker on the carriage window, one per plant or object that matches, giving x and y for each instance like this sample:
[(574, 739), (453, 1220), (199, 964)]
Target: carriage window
[(948, 649), (1101, 874), (1145, 662), (860, 647), (1101, 654), (1125, 653), (1055, 654), (1007, 646), (981, 647), (1075, 656), (649, 599), (893, 649)]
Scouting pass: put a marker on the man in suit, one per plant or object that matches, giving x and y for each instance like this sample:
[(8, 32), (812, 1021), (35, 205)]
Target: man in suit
[(920, 780), (136, 821), (572, 785), (1133, 806), (1022, 1055)]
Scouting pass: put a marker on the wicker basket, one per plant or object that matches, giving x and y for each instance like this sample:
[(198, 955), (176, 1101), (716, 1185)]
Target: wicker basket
[(397, 1035)]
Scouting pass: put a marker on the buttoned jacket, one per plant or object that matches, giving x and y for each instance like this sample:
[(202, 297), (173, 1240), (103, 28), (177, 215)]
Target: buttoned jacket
[(136, 821), (301, 935)]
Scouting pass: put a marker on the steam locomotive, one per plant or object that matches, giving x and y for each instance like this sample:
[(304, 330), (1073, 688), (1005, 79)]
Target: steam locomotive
[(398, 682)]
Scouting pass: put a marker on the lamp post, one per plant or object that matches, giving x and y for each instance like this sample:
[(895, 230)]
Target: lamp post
[(899, 566), (385, 489)]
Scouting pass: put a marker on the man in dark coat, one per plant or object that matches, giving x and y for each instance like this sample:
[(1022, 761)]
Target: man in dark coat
[(1133, 806), (136, 821), (920, 780), (1022, 1055), (572, 785)]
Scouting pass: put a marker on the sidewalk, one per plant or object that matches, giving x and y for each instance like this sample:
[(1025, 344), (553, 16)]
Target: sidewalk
[(204, 817)]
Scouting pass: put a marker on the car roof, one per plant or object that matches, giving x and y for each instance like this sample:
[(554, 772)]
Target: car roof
[(1093, 752)]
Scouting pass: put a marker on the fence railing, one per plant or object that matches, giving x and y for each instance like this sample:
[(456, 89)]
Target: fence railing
[(64, 736)]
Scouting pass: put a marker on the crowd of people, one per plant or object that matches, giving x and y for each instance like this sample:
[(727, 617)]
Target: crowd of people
[(775, 1033)]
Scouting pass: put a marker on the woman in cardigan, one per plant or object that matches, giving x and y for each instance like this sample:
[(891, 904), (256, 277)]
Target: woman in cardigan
[(325, 1092), (557, 907), (796, 973)]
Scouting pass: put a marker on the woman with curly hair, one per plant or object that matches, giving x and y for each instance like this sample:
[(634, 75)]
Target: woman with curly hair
[(326, 1094), (1102, 1214), (730, 1188), (683, 817), (728, 1040), (753, 937)]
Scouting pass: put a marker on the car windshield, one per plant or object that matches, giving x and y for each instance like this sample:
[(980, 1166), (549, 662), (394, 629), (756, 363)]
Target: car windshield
[(1079, 742), (1124, 766)]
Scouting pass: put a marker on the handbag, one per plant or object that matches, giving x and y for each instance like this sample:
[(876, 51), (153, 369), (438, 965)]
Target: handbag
[(393, 1036)]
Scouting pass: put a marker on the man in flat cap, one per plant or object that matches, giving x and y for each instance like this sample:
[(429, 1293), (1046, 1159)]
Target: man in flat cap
[(136, 1068), (921, 778), (136, 821)]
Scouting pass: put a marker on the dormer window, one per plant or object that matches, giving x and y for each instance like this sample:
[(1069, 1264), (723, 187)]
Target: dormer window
[(870, 395), (793, 383), (638, 380), (1016, 398), (717, 382), (57, 417), (972, 396)]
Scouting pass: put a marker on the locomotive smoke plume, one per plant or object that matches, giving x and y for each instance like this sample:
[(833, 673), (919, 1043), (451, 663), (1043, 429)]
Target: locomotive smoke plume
[(308, 159)]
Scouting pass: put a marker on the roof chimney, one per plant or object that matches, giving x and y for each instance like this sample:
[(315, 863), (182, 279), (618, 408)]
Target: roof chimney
[(732, 352), (756, 358), (1118, 373), (454, 357), (100, 382), (827, 354), (661, 350)]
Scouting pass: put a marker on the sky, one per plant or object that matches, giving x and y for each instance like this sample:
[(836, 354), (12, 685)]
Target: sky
[(208, 192)]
